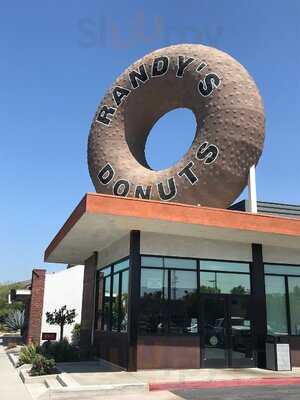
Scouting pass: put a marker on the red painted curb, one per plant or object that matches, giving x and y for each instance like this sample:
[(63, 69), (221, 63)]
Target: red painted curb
[(224, 383)]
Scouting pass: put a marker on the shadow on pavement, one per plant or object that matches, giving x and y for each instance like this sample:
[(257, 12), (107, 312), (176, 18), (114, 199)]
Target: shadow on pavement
[(87, 367)]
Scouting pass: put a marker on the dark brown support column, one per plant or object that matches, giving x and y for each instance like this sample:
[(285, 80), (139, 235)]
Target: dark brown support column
[(134, 294), (259, 308), (88, 302)]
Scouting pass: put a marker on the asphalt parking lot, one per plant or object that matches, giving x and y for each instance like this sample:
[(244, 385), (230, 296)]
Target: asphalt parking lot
[(291, 392)]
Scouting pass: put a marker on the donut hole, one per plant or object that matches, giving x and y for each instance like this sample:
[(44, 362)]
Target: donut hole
[(170, 138)]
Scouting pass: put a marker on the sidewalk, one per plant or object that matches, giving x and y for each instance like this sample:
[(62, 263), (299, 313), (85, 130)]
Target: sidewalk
[(97, 373), (11, 386)]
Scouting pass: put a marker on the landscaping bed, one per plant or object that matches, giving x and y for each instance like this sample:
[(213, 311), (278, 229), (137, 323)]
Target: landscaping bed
[(41, 360)]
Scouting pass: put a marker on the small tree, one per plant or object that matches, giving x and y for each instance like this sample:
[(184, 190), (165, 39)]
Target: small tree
[(61, 317)]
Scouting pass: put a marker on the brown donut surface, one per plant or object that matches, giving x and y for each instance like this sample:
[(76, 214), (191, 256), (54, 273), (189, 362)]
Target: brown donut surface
[(228, 140)]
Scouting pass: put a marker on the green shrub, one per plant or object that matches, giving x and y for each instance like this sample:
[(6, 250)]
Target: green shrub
[(43, 366), (28, 354), (76, 335), (61, 351)]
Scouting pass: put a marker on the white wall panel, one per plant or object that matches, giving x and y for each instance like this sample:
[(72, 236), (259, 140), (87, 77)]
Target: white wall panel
[(180, 246), (63, 288), (282, 255)]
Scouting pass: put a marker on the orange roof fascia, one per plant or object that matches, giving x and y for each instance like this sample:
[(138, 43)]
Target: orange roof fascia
[(93, 203)]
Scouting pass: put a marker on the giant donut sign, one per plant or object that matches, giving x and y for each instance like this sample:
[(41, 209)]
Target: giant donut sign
[(228, 140)]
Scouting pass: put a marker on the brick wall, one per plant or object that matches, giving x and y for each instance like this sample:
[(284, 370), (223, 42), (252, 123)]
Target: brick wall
[(36, 306), (88, 302)]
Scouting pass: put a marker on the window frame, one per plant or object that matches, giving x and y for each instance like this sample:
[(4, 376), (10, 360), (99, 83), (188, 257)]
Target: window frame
[(168, 299), (197, 270), (111, 276), (287, 297), (225, 261), (170, 268)]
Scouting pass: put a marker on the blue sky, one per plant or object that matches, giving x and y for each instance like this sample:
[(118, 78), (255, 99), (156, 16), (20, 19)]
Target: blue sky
[(59, 57)]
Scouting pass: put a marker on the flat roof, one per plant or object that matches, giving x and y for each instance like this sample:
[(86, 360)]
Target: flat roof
[(100, 219), (19, 295)]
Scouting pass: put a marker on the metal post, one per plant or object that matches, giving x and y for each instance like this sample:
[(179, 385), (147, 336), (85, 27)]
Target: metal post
[(252, 190)]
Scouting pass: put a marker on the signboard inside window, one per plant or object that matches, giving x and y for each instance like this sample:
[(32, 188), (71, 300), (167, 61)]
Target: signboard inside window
[(49, 336)]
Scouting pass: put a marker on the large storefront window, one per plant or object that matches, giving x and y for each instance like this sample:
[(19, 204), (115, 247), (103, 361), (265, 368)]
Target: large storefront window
[(112, 297), (170, 293), (183, 302), (168, 303), (154, 283), (171, 288), (283, 299), (276, 305), (154, 295), (124, 301), (224, 277), (106, 304), (115, 303), (183, 284), (294, 300), (103, 285)]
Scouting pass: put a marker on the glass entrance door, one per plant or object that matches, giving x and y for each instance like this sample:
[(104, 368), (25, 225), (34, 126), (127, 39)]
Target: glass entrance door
[(214, 328), (226, 339)]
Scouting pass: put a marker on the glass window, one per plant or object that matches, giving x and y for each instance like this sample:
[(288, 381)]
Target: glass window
[(121, 265), (106, 303), (182, 263), (153, 301), (210, 265), (276, 305), (99, 301), (112, 297), (105, 271), (124, 302), (282, 269), (154, 283), (218, 282), (169, 295), (183, 283), (115, 303), (154, 262), (294, 298), (183, 310)]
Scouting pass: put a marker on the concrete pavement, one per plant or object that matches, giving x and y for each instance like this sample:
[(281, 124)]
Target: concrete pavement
[(99, 380), (11, 386), (246, 393), (161, 395), (97, 373)]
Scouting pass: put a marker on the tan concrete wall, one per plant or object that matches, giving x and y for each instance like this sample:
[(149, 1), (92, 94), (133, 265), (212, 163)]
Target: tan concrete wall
[(119, 249), (181, 246)]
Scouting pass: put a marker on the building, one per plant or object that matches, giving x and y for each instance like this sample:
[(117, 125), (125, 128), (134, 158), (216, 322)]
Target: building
[(170, 285), (47, 292)]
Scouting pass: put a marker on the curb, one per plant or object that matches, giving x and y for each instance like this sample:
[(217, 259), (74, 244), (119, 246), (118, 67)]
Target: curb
[(13, 358), (224, 383), (94, 392)]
